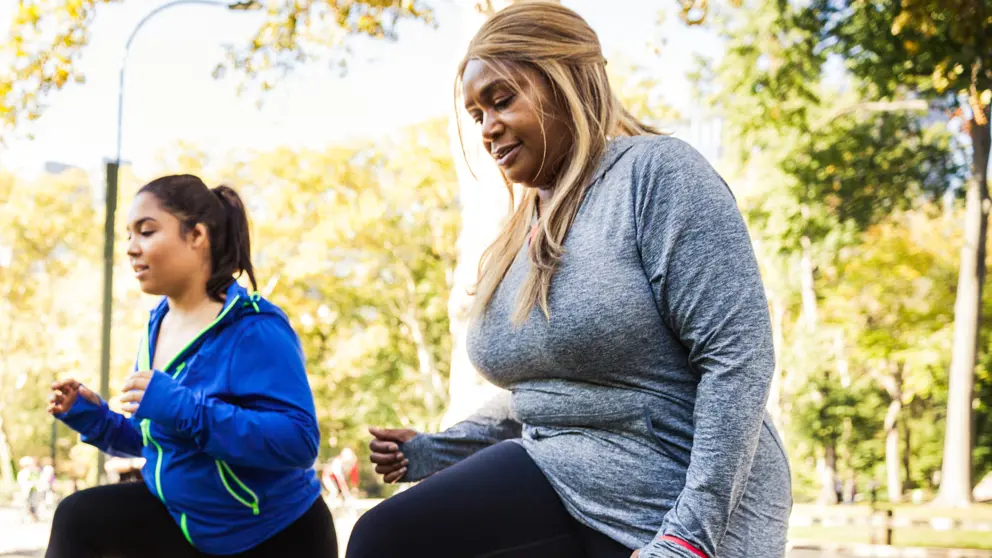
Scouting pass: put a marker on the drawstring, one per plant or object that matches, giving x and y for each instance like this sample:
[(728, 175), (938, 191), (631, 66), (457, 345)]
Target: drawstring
[(253, 299)]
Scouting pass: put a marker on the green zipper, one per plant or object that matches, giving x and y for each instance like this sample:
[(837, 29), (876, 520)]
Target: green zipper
[(223, 467), (182, 525), (144, 363)]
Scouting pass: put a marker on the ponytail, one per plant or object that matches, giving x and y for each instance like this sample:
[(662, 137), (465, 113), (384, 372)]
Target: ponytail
[(230, 246), (187, 198)]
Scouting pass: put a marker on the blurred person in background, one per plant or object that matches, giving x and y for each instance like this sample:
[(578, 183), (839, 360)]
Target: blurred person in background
[(27, 483)]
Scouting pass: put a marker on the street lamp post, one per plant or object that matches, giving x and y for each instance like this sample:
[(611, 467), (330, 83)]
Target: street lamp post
[(112, 174)]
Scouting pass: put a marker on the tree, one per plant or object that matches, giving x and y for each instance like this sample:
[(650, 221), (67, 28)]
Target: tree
[(49, 238), (898, 322), (47, 38), (939, 51), (483, 201), (356, 243), (821, 165)]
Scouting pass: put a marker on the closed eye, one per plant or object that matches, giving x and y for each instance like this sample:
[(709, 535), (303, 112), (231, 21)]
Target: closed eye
[(503, 102)]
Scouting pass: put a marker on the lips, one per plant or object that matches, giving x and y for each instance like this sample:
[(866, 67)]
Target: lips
[(139, 270), (504, 154)]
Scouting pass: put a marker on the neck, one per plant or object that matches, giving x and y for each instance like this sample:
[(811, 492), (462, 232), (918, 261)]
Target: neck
[(543, 199), (191, 303)]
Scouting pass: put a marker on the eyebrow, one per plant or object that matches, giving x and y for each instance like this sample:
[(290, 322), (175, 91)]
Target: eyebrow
[(487, 89), (137, 224)]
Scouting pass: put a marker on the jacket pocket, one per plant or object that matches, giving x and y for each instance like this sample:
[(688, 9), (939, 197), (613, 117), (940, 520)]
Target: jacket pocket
[(236, 488)]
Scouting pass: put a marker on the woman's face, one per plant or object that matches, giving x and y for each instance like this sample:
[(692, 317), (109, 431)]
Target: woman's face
[(165, 261), (510, 121)]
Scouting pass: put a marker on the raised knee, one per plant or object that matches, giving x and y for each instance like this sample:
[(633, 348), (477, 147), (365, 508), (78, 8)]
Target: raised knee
[(370, 533), (69, 511)]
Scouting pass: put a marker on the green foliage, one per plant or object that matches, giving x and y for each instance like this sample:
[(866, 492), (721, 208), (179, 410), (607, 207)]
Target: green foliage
[(47, 38), (830, 175), (359, 243), (356, 243), (933, 48)]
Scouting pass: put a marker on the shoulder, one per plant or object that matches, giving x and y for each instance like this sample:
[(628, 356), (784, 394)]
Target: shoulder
[(670, 160), (656, 147), (265, 332), (667, 171)]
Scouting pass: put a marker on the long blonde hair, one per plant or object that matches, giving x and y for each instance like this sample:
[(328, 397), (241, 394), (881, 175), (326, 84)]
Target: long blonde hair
[(561, 46)]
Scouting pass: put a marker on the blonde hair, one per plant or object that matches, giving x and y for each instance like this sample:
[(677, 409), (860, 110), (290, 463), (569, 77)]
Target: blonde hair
[(556, 42)]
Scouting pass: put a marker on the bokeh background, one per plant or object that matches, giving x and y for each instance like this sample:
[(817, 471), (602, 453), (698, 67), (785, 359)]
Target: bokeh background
[(854, 134)]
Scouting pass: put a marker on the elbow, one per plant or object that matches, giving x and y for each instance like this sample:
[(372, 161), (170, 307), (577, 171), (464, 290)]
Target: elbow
[(312, 443), (307, 451), (304, 450)]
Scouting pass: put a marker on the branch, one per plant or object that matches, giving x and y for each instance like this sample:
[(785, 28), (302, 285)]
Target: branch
[(879, 106)]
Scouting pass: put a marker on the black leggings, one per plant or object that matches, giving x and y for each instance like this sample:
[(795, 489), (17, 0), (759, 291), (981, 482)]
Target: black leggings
[(128, 521), (495, 504)]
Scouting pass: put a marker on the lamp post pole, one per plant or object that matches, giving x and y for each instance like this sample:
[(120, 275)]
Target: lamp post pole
[(110, 210)]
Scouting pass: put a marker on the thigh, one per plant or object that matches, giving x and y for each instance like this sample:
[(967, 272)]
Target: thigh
[(495, 504), (598, 545), (116, 521), (310, 536)]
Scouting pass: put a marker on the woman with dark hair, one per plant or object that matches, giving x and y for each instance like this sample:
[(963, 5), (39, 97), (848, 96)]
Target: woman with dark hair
[(220, 405), (622, 309)]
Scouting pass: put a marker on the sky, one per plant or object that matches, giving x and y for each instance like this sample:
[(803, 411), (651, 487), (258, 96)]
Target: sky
[(170, 95)]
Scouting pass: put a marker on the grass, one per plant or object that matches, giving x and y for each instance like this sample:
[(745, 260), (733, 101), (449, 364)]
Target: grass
[(977, 512), (914, 536), (900, 537)]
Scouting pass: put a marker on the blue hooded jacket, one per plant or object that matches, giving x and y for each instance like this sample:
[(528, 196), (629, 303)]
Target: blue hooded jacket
[(228, 428)]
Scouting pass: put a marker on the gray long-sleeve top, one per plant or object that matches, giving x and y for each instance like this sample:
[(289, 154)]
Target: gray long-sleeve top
[(642, 399)]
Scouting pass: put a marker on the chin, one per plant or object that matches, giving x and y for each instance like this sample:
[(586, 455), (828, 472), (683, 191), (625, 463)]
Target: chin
[(149, 288), (522, 177)]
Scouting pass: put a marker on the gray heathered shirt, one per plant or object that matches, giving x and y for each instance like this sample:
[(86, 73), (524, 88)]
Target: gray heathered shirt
[(643, 398)]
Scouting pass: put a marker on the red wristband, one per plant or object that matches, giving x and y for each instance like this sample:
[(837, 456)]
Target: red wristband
[(684, 544)]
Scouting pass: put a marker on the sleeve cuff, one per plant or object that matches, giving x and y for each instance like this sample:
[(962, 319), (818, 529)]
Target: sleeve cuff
[(81, 407), (418, 452), (162, 402), (667, 546)]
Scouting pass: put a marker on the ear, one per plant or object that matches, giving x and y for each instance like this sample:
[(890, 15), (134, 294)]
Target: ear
[(198, 236)]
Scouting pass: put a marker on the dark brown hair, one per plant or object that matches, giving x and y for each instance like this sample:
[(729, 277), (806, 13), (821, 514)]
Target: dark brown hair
[(221, 210)]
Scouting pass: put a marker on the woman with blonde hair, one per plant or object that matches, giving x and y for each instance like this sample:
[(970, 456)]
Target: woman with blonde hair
[(623, 310)]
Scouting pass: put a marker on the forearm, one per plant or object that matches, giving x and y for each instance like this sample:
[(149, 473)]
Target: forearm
[(284, 438), (100, 427), (430, 453), (730, 409)]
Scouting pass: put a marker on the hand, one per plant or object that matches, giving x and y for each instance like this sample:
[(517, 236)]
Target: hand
[(389, 462), (134, 390), (64, 395), (635, 554)]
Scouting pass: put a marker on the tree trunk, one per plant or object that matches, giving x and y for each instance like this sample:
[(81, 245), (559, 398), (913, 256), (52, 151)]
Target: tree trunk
[(892, 381), (907, 453), (828, 473), (429, 377), (7, 478), (807, 286), (892, 462), (484, 202), (810, 316), (956, 469)]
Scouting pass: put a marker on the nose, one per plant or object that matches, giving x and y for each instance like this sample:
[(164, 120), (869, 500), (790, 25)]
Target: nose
[(492, 126), (133, 249)]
